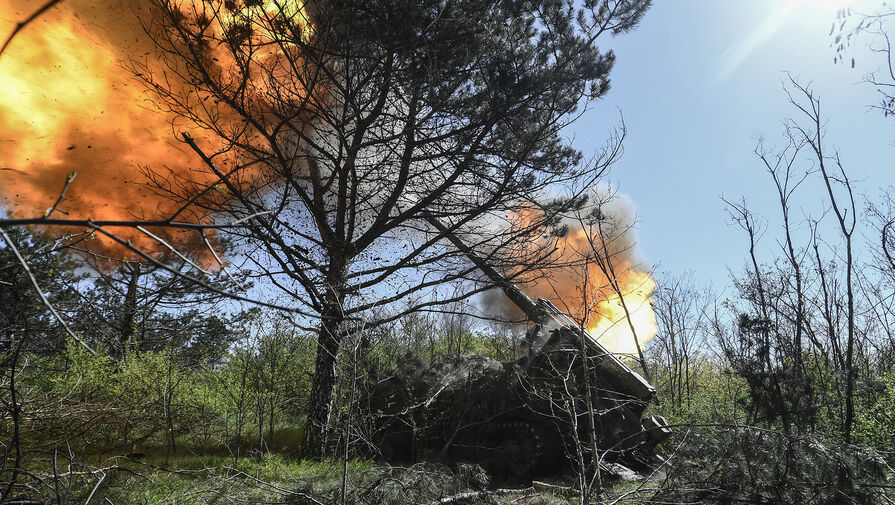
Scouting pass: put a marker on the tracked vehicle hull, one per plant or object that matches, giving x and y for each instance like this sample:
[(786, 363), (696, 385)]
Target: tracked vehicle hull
[(513, 419), (523, 419)]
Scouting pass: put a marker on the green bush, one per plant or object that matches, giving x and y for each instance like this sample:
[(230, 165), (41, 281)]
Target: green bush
[(161, 402), (713, 395), (875, 415), (736, 464)]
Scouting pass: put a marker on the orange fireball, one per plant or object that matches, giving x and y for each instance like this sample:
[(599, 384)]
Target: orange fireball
[(75, 100), (594, 276)]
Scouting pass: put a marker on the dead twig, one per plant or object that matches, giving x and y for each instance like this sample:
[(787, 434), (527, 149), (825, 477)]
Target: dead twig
[(55, 206), (22, 24), (98, 483)]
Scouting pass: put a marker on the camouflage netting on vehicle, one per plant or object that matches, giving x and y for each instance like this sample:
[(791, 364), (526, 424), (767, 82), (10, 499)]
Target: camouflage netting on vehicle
[(517, 420)]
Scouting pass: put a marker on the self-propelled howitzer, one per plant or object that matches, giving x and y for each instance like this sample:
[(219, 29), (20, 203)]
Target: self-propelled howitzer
[(548, 320), (519, 419)]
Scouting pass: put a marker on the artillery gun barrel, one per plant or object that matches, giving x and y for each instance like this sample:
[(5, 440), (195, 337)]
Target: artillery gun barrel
[(550, 319), (624, 379), (516, 295)]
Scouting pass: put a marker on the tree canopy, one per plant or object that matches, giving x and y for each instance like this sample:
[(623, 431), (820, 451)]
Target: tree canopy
[(332, 129)]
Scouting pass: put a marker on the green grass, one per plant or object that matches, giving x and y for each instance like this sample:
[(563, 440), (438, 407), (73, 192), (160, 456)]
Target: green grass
[(211, 479)]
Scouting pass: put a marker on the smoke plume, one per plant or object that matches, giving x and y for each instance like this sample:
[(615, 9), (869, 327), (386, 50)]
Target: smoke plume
[(596, 272)]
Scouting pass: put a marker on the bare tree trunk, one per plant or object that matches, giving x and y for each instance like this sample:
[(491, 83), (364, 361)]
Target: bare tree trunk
[(846, 219), (259, 408), (762, 305), (596, 483), (604, 261), (347, 453), (240, 402), (130, 310)]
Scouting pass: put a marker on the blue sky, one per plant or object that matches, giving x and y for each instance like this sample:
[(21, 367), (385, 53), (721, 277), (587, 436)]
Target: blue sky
[(697, 83)]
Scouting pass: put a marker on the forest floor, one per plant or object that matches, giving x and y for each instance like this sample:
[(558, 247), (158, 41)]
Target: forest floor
[(277, 478), (697, 472)]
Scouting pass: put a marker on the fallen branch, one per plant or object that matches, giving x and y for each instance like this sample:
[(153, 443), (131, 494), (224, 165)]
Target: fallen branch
[(478, 494)]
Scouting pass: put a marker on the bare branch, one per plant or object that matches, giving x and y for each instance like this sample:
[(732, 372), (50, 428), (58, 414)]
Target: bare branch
[(22, 24), (43, 298)]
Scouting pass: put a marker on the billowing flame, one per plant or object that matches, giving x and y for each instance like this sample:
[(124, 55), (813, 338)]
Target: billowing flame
[(598, 275), (292, 10), (70, 106), (609, 321), (71, 102)]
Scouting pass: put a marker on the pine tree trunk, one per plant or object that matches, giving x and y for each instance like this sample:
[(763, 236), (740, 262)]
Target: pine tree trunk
[(323, 387), (322, 391)]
